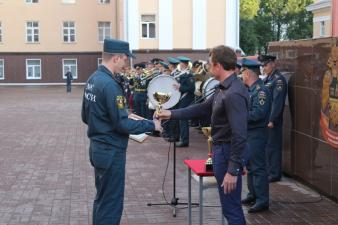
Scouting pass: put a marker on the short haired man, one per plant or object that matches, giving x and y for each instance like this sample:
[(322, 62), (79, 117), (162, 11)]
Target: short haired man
[(228, 108), (103, 110), (259, 112), (276, 82)]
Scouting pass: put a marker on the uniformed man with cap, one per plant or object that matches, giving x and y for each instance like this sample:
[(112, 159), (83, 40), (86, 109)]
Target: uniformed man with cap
[(228, 108), (259, 112), (186, 86), (164, 69), (103, 110), (173, 62), (140, 91), (276, 82)]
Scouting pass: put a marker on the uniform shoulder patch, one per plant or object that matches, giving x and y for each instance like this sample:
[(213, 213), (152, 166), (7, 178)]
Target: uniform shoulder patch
[(120, 101), (261, 97), (279, 84)]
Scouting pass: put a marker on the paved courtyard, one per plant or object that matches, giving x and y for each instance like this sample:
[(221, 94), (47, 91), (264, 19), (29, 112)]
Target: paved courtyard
[(46, 178)]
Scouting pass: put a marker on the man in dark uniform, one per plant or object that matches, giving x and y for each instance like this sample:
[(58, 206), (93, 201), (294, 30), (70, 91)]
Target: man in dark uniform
[(140, 91), (276, 82), (186, 86), (173, 62), (259, 112), (228, 108), (103, 110), (69, 78)]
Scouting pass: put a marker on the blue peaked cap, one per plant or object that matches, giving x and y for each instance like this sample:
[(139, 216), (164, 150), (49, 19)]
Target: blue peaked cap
[(248, 63), (183, 59), (165, 65), (173, 60), (112, 46)]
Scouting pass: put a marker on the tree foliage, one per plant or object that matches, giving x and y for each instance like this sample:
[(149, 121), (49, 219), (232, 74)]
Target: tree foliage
[(274, 20)]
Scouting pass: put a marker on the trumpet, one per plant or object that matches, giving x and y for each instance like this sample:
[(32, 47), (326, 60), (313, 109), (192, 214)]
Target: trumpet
[(150, 74)]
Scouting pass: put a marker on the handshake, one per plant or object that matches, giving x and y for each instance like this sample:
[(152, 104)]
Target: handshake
[(158, 116)]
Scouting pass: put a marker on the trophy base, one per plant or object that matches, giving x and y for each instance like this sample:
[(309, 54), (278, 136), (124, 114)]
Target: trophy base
[(208, 167)]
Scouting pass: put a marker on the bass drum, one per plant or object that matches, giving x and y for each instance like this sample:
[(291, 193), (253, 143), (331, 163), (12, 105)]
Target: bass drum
[(164, 84), (209, 87)]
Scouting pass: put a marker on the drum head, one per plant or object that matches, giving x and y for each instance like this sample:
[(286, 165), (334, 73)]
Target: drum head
[(164, 84), (209, 87)]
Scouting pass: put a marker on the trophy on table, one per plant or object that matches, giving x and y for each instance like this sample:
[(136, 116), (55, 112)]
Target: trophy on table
[(161, 98), (207, 132)]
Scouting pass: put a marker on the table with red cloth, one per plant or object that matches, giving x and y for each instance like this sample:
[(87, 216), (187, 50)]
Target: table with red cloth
[(198, 167)]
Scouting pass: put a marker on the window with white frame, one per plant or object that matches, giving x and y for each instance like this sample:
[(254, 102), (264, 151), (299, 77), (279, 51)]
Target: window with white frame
[(104, 30), (2, 70), (0, 32), (68, 31), (69, 1), (32, 1), (148, 26), (33, 69), (322, 28), (69, 65), (99, 61), (104, 1), (32, 32)]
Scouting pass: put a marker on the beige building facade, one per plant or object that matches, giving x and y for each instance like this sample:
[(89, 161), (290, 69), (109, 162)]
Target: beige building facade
[(325, 19), (45, 39)]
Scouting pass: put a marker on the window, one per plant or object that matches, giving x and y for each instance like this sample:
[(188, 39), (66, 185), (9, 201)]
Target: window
[(99, 61), (148, 26), (32, 1), (104, 30), (69, 65), (104, 1), (32, 32), (68, 32), (0, 33), (69, 1), (322, 28), (2, 71), (33, 69)]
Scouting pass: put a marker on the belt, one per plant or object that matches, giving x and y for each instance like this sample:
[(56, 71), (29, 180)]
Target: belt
[(140, 90), (220, 142)]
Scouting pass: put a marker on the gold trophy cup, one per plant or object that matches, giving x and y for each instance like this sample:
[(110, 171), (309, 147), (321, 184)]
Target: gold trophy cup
[(207, 132), (161, 98)]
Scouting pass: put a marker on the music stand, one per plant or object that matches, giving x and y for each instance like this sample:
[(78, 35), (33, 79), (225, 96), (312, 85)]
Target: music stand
[(174, 200)]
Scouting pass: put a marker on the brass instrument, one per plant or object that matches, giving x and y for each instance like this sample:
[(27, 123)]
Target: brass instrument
[(150, 74), (201, 73)]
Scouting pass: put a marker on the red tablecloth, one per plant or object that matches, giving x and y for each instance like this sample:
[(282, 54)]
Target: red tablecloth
[(198, 167)]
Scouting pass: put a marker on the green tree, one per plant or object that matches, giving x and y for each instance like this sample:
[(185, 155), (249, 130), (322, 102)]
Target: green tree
[(273, 20)]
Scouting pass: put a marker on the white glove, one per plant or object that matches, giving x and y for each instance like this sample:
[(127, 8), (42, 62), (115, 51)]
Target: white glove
[(158, 126)]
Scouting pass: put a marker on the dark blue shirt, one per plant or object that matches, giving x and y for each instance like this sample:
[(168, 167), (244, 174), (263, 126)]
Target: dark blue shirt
[(278, 88), (260, 104), (103, 110), (228, 108)]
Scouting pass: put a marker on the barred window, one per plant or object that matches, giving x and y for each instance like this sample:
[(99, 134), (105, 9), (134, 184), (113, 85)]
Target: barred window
[(68, 31), (69, 65), (32, 32), (2, 73), (104, 30), (148, 26), (33, 69)]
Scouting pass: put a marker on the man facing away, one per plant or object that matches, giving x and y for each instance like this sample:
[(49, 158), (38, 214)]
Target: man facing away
[(104, 111), (228, 108)]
